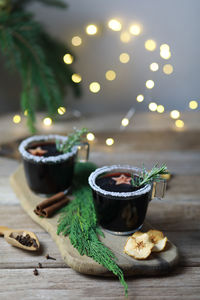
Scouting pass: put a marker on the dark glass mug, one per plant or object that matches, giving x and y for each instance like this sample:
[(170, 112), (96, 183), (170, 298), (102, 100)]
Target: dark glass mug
[(122, 213), (47, 175)]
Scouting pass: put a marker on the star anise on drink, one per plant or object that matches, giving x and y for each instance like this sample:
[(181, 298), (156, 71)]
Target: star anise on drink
[(122, 179), (37, 151)]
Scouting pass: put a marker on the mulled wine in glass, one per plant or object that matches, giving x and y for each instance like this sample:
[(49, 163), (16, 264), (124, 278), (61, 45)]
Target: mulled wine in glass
[(120, 206), (48, 170)]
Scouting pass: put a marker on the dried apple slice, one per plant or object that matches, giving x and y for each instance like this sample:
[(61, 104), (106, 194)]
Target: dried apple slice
[(158, 239), (139, 246)]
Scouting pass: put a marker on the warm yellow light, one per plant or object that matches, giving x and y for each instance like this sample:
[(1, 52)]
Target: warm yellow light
[(165, 54), (179, 123), (168, 69), (91, 29), (26, 113), (135, 29), (68, 59), (175, 114), (76, 41), (94, 87), (152, 106), (140, 98), (125, 122), (125, 37), (149, 84), (193, 104), (110, 75), (109, 142), (150, 45), (164, 47), (115, 25), (47, 121), (61, 110), (76, 78), (17, 119), (154, 67), (90, 136), (124, 58), (160, 109)]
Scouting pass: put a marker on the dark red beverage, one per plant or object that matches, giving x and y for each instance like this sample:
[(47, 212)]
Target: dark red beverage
[(47, 170), (121, 208)]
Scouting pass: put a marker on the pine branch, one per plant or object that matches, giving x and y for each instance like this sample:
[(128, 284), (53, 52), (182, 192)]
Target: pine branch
[(78, 221), (26, 47)]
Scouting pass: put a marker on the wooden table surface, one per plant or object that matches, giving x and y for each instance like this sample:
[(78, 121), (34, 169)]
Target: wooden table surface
[(178, 216)]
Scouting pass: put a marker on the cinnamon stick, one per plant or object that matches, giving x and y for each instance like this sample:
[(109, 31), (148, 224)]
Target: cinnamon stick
[(50, 205), (50, 201), (50, 210)]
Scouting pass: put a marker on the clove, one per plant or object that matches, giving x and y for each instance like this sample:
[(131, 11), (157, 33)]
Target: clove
[(49, 257)]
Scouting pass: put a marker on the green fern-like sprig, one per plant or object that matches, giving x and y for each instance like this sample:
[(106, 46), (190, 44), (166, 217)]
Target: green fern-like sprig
[(78, 221)]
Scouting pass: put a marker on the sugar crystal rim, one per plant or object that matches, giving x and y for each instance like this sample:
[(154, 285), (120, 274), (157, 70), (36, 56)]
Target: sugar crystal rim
[(99, 171), (41, 159)]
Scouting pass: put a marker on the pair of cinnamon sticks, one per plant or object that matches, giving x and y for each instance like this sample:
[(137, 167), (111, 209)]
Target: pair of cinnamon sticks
[(50, 205)]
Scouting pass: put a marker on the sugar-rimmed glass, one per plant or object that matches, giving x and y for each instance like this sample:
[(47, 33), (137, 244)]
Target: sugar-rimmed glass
[(49, 174), (120, 213)]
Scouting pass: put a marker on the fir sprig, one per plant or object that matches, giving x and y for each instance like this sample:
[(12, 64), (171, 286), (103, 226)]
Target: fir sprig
[(73, 139), (36, 56), (148, 177), (78, 221)]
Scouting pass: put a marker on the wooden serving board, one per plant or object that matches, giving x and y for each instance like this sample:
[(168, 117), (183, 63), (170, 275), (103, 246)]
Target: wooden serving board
[(157, 263)]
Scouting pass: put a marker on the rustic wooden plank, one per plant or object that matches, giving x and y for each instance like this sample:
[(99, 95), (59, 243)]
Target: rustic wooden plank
[(174, 216), (67, 284), (15, 258), (188, 244)]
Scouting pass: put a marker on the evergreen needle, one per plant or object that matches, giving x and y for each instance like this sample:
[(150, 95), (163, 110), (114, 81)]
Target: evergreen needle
[(73, 139), (155, 175), (78, 221)]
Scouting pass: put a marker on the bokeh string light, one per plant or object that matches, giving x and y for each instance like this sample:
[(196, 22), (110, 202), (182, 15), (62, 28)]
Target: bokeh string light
[(175, 114), (94, 87), (47, 121), (109, 141), (154, 67), (124, 58), (76, 41), (115, 25), (150, 84), (76, 78), (110, 75), (125, 36), (90, 136), (179, 123), (91, 29), (140, 98), (193, 104), (150, 45), (61, 110), (17, 119), (68, 58), (135, 29)]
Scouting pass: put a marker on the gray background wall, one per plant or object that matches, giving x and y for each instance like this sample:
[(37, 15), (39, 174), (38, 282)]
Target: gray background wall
[(175, 22)]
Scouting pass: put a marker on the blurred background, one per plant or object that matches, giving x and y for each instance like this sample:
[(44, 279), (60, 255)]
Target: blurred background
[(175, 73)]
